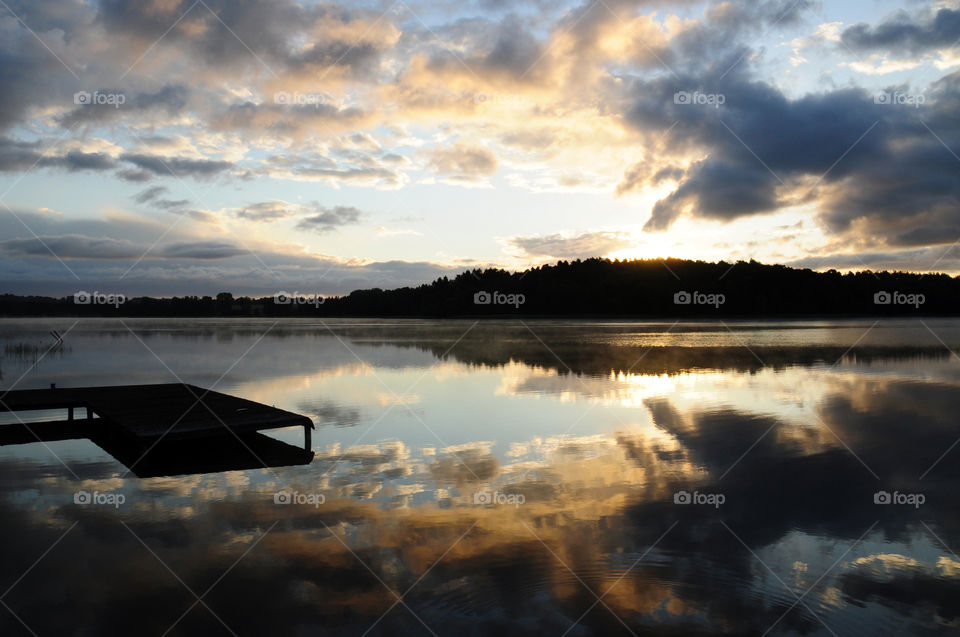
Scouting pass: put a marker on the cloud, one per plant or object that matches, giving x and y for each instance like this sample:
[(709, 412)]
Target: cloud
[(176, 166), (463, 163), (152, 196), (76, 160), (170, 204), (176, 207), (358, 141), (72, 247), (148, 195), (268, 211), (514, 51), (23, 62), (18, 155), (338, 40), (373, 176), (106, 248), (580, 246), (331, 219), (166, 102), (202, 250), (873, 169), (100, 251), (925, 258), (359, 169), (907, 34), (287, 120)]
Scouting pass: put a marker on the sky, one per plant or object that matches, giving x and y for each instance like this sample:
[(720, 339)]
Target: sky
[(173, 147)]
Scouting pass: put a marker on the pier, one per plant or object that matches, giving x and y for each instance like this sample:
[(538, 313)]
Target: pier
[(163, 429)]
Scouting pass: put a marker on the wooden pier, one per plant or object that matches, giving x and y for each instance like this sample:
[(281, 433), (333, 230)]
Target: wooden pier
[(161, 428)]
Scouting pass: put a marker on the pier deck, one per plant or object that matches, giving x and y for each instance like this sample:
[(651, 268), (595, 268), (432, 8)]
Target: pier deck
[(171, 411), (161, 429)]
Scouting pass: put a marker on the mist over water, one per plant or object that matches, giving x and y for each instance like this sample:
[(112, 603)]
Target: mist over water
[(549, 477)]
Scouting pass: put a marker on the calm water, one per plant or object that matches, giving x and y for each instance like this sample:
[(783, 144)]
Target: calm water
[(504, 478)]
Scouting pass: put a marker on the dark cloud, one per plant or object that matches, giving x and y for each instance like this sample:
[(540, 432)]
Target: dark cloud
[(72, 247), (868, 164), (18, 156), (330, 220), (134, 175), (756, 14), (876, 169), (170, 100), (906, 34), (515, 50), (262, 26), (176, 166), (945, 259), (23, 62), (170, 204), (76, 160), (101, 250), (153, 197), (202, 250), (226, 32), (150, 194), (46, 16), (106, 248), (588, 244), (360, 58)]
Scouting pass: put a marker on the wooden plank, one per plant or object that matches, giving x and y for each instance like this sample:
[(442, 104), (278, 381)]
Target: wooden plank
[(149, 412)]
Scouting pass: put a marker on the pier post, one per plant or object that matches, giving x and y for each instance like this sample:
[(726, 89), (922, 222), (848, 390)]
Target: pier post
[(307, 443)]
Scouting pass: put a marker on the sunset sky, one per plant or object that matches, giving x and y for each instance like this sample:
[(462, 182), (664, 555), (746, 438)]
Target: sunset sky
[(189, 147)]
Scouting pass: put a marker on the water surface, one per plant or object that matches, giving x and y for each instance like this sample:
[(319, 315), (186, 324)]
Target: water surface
[(504, 477)]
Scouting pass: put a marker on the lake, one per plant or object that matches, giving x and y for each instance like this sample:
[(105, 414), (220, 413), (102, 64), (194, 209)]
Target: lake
[(510, 478)]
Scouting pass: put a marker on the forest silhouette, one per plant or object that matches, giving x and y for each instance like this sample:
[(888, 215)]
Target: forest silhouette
[(650, 288)]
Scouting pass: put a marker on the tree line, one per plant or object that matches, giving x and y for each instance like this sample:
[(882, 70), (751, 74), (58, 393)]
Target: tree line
[(647, 288)]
